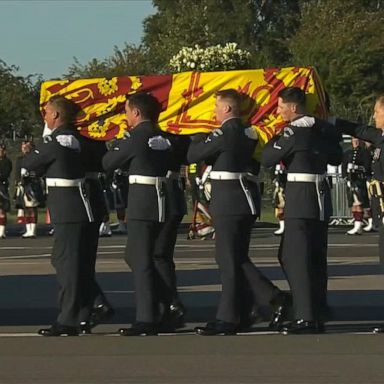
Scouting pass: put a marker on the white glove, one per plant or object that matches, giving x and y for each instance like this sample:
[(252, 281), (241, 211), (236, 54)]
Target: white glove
[(305, 121), (24, 172), (207, 190), (68, 141), (159, 143), (251, 133)]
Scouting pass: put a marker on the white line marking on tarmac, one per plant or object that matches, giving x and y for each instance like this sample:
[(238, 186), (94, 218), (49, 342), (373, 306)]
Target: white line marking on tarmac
[(20, 334), (199, 247), (191, 333), (26, 257)]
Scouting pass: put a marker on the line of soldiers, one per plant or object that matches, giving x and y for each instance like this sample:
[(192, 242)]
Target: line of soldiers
[(156, 205), (29, 191)]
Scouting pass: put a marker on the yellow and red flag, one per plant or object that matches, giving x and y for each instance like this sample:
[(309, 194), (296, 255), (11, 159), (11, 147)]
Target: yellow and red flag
[(187, 99)]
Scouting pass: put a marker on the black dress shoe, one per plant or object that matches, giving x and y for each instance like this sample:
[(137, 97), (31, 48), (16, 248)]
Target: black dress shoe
[(177, 312), (281, 305), (217, 327), (85, 328), (247, 320), (302, 327), (379, 329), (139, 329), (173, 318), (59, 330), (101, 313)]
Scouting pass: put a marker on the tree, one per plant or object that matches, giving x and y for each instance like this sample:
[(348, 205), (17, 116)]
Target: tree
[(259, 26), (19, 102), (130, 60), (343, 39)]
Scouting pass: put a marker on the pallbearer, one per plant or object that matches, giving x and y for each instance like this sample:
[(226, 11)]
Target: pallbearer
[(144, 152), (229, 151), (306, 146)]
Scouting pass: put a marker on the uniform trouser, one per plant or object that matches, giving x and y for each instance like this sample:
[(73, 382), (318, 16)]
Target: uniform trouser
[(70, 262), (141, 237), (303, 256), (232, 246), (91, 235), (165, 276)]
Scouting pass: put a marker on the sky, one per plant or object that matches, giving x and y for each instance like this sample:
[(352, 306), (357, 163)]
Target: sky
[(42, 37)]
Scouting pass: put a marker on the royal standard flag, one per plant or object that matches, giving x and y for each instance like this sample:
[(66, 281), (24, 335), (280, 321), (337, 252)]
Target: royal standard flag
[(187, 99)]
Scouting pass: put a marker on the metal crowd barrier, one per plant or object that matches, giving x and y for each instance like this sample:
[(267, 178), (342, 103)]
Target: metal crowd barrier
[(341, 212)]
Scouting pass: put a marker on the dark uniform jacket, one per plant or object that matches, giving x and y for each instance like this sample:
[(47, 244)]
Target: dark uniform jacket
[(226, 149), (59, 157), (374, 136), (357, 156), (306, 148), (134, 154), (357, 178), (5, 170), (92, 152), (176, 204)]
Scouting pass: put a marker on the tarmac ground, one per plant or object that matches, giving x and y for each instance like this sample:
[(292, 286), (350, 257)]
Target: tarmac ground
[(347, 353)]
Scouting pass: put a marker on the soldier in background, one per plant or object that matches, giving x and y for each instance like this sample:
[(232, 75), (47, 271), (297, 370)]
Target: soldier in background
[(5, 173), (280, 180), (371, 211), (355, 169), (29, 192), (105, 226), (115, 188)]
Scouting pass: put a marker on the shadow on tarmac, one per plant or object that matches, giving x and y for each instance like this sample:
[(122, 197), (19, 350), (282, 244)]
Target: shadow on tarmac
[(31, 299)]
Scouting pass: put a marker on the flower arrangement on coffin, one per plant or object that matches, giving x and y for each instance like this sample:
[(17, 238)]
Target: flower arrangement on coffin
[(214, 58)]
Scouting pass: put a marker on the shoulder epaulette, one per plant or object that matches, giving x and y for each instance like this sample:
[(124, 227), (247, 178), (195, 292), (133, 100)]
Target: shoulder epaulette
[(217, 132), (288, 132)]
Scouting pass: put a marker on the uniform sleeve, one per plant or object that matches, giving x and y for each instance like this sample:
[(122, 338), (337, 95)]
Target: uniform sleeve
[(120, 153), (40, 158), (205, 146), (278, 148), (363, 132)]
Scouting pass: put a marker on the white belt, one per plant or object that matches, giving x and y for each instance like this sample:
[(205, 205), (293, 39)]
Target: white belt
[(311, 178), (157, 183), (224, 175), (146, 180), (56, 182), (305, 177), (172, 175)]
